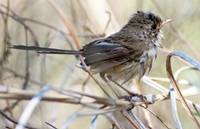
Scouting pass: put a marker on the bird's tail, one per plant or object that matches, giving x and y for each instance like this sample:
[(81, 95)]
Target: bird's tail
[(46, 50)]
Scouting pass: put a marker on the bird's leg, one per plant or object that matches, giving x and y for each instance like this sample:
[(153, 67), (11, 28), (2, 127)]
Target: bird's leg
[(105, 79), (120, 86)]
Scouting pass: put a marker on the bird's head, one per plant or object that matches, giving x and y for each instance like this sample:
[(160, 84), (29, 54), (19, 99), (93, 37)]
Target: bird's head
[(146, 20)]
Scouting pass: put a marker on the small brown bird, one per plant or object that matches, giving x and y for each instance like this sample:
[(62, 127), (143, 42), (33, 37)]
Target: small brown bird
[(124, 55)]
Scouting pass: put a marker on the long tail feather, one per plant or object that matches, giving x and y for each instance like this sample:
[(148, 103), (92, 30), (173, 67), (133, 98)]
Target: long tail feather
[(46, 50)]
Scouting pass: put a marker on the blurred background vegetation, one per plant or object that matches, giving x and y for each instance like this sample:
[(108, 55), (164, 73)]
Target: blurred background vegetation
[(88, 20)]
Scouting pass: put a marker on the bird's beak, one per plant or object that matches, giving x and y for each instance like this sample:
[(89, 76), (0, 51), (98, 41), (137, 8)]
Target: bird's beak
[(166, 21)]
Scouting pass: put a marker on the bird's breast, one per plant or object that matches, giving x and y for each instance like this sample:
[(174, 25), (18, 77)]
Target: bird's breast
[(152, 52), (147, 59)]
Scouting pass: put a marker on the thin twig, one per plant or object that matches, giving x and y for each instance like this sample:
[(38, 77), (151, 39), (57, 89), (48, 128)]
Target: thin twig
[(52, 126), (173, 81), (13, 121)]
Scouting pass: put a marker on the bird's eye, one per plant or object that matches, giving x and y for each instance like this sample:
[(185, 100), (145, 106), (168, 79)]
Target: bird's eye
[(154, 26), (151, 17)]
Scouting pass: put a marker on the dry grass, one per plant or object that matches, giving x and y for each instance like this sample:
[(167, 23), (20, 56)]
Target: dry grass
[(50, 91)]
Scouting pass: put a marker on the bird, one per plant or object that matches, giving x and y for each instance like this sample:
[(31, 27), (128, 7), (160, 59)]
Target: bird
[(122, 56)]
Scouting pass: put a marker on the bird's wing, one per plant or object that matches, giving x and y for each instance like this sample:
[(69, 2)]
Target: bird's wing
[(104, 55)]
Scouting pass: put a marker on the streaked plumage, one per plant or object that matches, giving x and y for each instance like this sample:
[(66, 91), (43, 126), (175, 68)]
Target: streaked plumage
[(123, 55)]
